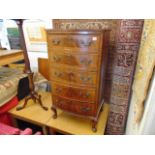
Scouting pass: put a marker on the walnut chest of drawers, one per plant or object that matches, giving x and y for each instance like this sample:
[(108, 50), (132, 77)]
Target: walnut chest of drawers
[(77, 60)]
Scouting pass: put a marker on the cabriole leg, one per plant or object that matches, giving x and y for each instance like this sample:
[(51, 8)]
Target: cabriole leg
[(55, 112), (94, 123)]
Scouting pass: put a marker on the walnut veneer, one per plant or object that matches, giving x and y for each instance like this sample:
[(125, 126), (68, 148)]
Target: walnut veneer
[(77, 64)]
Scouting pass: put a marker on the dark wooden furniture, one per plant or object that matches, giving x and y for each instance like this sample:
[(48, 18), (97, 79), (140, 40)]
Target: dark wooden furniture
[(33, 94), (77, 60)]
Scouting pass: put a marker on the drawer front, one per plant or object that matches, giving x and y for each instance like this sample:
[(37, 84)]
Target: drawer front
[(73, 106), (74, 42), (75, 60), (69, 76), (80, 94)]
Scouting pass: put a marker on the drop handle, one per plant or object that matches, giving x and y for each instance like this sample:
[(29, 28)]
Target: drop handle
[(58, 90), (86, 79), (71, 76), (56, 41), (59, 102), (81, 93), (56, 58), (89, 62), (85, 109), (69, 56), (56, 100), (82, 78), (58, 74), (85, 43), (87, 95), (82, 61), (89, 78), (85, 62)]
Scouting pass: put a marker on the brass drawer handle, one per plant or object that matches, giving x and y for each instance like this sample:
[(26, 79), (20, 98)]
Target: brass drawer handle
[(86, 79), (85, 62), (70, 102), (89, 62), (82, 61), (55, 73), (71, 76), (56, 58), (56, 100), (58, 90), (89, 78), (85, 43), (69, 56), (59, 102), (82, 78), (85, 109), (81, 93), (56, 41), (58, 74), (87, 94)]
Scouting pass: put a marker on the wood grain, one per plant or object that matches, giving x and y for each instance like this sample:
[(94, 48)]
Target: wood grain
[(43, 67), (70, 124), (65, 123), (10, 56), (33, 113), (73, 54)]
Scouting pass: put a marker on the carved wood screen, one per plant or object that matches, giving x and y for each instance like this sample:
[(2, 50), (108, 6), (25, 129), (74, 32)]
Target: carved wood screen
[(124, 45)]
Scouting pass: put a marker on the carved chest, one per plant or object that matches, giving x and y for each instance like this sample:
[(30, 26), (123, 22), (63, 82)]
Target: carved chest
[(77, 60)]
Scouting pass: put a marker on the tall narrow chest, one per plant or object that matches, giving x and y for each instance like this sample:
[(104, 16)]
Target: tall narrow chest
[(77, 63)]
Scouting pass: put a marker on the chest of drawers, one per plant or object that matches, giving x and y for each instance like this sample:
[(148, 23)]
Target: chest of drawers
[(77, 60)]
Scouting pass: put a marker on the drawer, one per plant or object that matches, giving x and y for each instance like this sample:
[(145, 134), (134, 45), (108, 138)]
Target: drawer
[(81, 61), (75, 93), (73, 106), (73, 76), (74, 42)]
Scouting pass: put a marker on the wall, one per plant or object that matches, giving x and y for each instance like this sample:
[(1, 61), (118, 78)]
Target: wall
[(33, 57), (146, 126), (36, 50), (3, 34)]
